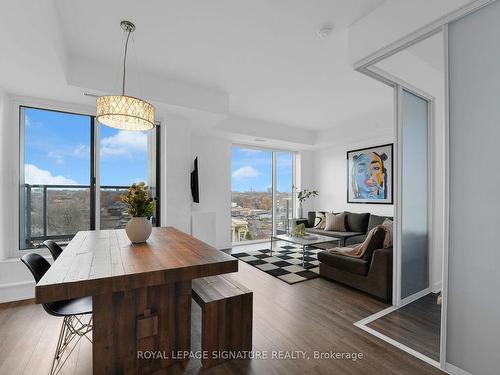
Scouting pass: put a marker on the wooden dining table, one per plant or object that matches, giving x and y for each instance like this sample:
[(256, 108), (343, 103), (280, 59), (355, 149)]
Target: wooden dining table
[(141, 293)]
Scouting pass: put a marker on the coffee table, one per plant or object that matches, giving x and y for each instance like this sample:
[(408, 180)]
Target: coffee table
[(315, 239)]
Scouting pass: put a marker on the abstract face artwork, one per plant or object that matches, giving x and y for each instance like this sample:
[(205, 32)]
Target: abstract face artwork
[(370, 175)]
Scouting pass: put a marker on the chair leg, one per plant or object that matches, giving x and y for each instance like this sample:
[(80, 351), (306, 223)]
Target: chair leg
[(72, 326), (58, 348)]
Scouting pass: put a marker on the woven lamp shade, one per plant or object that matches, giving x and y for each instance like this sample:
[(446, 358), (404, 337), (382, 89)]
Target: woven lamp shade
[(125, 112)]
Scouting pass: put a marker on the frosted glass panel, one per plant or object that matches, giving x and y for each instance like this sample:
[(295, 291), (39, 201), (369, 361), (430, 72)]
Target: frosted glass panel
[(473, 329), (414, 235)]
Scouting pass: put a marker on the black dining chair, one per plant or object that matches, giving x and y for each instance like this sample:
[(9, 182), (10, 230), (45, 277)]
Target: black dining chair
[(73, 311), (53, 247)]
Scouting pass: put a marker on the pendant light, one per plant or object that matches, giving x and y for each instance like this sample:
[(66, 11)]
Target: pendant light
[(122, 111)]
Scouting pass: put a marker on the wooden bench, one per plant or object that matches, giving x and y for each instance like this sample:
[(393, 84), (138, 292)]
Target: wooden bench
[(227, 310)]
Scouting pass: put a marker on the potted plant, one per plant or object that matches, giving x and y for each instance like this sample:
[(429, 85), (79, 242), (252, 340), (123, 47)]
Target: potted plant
[(302, 196), (141, 207)]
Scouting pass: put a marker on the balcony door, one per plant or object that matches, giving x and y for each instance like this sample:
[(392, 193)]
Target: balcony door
[(73, 171), (123, 160), (261, 193)]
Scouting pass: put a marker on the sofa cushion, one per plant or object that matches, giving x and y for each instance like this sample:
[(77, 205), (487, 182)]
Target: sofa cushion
[(352, 265), (332, 233), (376, 220), (335, 222), (388, 225), (357, 222), (311, 216), (320, 220), (376, 242)]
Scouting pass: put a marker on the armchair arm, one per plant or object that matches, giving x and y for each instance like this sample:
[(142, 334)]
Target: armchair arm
[(381, 259)]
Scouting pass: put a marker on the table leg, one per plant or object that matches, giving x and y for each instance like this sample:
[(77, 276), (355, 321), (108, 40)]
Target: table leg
[(148, 320), (271, 246), (304, 256)]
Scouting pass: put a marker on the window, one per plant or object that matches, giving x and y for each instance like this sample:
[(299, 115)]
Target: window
[(261, 197), (123, 161), (284, 190), (73, 171)]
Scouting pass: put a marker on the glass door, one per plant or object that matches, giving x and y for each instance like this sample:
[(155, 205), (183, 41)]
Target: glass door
[(251, 194), (283, 194), (414, 194), (56, 189), (123, 160)]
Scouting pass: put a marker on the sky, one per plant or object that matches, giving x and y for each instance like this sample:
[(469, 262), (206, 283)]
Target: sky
[(57, 151), (251, 170)]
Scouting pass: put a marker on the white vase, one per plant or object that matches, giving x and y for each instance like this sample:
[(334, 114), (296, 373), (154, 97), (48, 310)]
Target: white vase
[(138, 229), (299, 211)]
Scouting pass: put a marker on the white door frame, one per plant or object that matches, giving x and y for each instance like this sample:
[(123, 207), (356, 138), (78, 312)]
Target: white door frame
[(430, 189)]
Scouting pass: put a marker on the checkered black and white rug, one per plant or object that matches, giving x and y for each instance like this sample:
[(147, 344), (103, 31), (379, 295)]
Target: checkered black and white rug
[(285, 263)]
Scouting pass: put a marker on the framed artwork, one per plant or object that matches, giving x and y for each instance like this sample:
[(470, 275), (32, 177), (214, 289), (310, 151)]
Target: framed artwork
[(369, 175)]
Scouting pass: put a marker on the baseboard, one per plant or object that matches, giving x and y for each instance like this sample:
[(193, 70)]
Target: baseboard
[(398, 345), (362, 324), (375, 316), (17, 291), (414, 297), (454, 370)]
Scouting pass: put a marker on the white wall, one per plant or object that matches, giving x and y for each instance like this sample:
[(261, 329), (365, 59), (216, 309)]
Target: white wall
[(214, 175), (4, 167), (394, 20), (304, 177), (176, 168), (329, 164), (15, 280), (330, 178)]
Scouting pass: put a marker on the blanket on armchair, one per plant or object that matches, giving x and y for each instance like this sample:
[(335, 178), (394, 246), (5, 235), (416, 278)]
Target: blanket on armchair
[(359, 250)]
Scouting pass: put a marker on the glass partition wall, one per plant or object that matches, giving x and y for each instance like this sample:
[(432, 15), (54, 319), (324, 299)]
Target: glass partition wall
[(417, 74), (414, 194), (261, 193)]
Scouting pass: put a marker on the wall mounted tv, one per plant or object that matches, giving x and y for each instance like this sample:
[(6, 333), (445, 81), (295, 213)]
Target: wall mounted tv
[(195, 192)]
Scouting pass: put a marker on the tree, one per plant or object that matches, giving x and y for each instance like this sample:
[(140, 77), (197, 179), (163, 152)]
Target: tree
[(246, 202), (266, 203), (248, 236)]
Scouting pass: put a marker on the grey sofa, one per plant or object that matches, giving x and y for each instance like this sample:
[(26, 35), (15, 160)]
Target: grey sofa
[(373, 272), (357, 226)]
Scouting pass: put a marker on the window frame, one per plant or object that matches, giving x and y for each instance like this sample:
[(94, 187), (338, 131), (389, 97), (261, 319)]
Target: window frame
[(94, 168), (274, 163)]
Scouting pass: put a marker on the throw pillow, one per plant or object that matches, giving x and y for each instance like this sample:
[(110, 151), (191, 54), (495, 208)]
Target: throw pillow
[(388, 233), (320, 220), (335, 222)]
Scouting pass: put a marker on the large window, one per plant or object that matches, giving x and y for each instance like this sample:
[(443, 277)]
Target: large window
[(261, 197), (72, 174), (123, 161)]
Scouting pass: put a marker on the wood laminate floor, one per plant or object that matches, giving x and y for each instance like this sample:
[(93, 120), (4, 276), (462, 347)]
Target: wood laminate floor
[(416, 325), (315, 315)]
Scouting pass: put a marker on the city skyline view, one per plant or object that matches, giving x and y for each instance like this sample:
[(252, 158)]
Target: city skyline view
[(251, 194)]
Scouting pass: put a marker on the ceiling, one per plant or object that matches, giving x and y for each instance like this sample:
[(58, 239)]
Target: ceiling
[(264, 56), (431, 51)]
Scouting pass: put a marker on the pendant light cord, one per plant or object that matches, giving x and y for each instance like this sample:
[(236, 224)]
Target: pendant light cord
[(124, 61)]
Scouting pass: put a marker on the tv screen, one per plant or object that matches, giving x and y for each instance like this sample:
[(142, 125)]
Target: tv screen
[(194, 182)]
